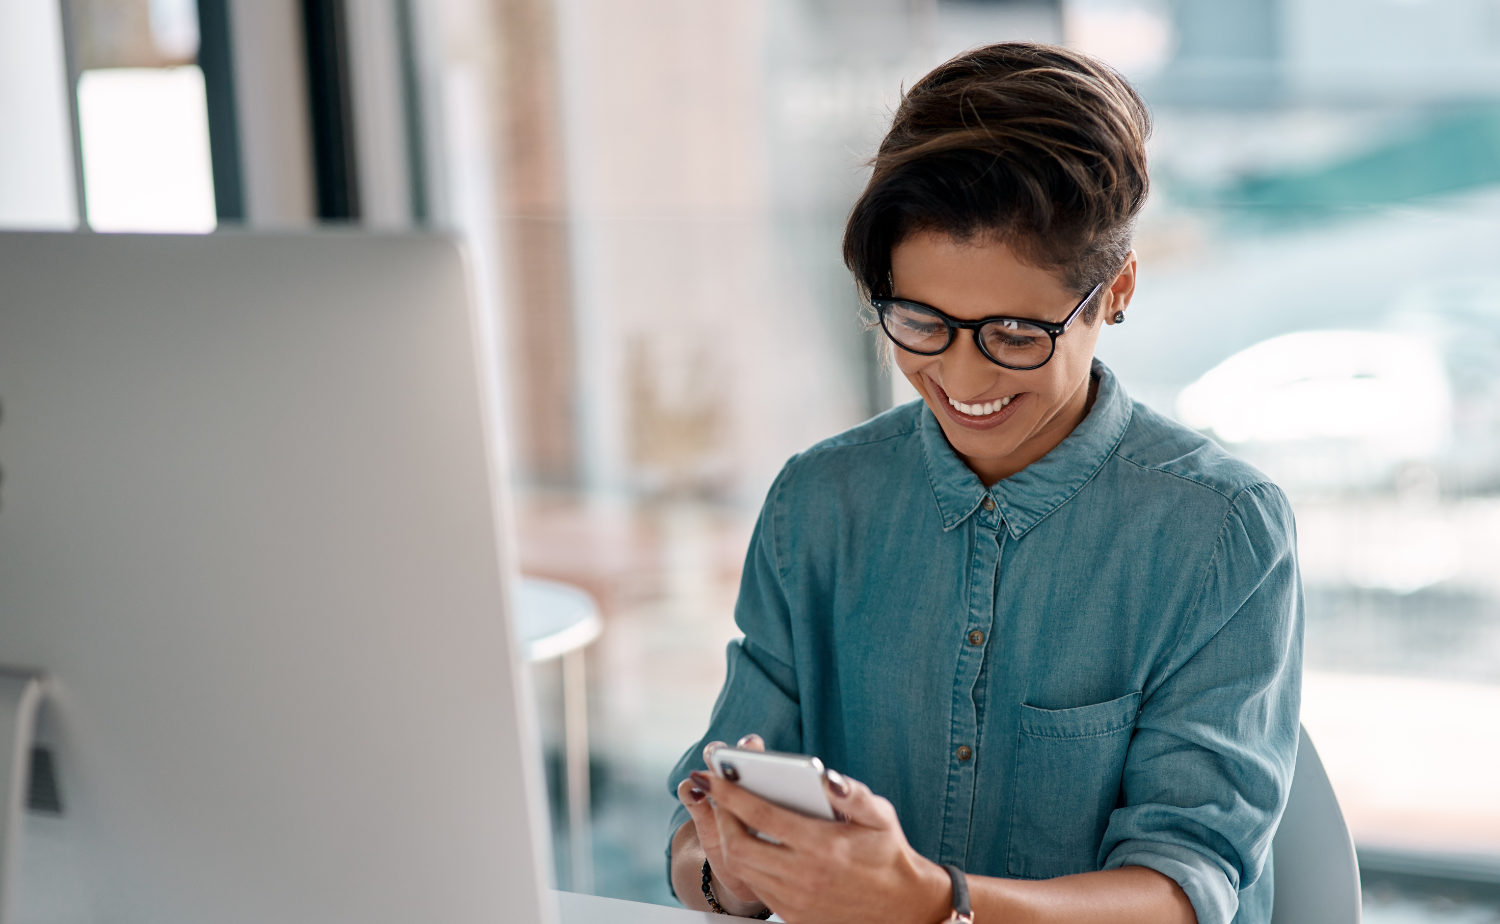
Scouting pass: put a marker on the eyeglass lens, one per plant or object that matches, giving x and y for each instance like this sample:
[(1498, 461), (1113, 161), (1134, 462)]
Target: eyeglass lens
[(1014, 343)]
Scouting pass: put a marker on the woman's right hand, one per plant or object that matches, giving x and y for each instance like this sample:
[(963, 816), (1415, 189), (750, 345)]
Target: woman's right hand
[(732, 892)]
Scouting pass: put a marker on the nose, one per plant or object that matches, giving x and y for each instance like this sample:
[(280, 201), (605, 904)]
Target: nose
[(966, 373)]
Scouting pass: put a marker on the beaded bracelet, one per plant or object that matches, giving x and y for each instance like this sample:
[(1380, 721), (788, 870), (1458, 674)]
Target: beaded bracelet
[(713, 902)]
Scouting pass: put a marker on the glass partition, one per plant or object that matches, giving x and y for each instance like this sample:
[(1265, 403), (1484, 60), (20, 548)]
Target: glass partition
[(1317, 292)]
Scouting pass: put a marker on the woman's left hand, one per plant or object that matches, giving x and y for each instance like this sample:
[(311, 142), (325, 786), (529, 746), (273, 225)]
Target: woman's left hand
[(861, 869)]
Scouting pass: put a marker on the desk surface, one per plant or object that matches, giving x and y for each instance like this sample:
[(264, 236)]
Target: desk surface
[(574, 908)]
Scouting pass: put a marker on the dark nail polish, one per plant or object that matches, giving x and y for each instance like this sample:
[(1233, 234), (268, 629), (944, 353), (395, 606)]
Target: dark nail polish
[(702, 780), (695, 794), (837, 783)]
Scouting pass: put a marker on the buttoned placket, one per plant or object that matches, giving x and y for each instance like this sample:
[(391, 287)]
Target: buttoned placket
[(977, 636)]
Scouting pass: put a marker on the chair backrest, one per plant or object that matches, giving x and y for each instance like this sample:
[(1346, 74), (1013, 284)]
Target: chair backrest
[(1317, 876)]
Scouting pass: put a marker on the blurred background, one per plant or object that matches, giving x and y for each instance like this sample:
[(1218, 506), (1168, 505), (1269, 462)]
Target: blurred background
[(652, 194)]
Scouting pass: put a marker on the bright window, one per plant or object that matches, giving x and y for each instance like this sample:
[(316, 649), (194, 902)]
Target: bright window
[(145, 149)]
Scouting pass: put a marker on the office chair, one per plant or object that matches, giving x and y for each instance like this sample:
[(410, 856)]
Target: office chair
[(1317, 876)]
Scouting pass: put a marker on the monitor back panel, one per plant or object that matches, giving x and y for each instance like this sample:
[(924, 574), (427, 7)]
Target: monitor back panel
[(248, 530)]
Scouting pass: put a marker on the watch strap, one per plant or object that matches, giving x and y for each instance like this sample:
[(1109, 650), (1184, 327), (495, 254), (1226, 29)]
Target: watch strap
[(962, 913)]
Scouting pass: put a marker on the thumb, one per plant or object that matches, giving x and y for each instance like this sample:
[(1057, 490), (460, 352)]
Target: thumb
[(854, 800)]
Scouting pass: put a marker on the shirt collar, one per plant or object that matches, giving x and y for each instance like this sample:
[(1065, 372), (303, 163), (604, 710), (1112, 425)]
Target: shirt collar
[(1027, 497)]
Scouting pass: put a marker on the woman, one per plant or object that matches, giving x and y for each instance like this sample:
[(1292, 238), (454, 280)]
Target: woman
[(1056, 635)]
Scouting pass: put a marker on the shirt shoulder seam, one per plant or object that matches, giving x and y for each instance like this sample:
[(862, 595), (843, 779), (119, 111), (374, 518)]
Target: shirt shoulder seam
[(1202, 483), (840, 443), (1208, 572)]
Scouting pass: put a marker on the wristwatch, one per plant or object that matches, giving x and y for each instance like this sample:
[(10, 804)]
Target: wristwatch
[(962, 913)]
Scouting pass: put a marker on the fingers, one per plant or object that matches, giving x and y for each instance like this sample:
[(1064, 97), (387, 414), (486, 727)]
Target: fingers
[(691, 796), (702, 813), (706, 824), (708, 750), (750, 854), (856, 803), (751, 742), (748, 857), (785, 825), (838, 784)]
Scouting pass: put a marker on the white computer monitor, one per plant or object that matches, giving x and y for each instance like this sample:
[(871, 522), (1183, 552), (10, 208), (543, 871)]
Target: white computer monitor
[(248, 534)]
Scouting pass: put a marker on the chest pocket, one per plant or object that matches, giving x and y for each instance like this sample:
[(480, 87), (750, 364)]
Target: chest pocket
[(1069, 763)]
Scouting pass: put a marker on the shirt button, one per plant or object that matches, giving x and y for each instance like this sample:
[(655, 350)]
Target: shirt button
[(965, 752), (976, 638), (989, 503)]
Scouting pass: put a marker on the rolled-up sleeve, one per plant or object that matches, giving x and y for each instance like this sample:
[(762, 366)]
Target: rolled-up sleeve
[(1209, 768), (760, 685)]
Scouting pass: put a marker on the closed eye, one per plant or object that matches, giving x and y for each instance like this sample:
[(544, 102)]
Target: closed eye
[(922, 328)]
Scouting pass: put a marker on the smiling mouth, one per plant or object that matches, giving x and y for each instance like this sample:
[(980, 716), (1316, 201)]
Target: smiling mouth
[(978, 415), (982, 409)]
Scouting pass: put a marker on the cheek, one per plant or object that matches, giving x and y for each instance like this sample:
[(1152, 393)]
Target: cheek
[(910, 364), (1069, 366), (1055, 379), (1080, 353)]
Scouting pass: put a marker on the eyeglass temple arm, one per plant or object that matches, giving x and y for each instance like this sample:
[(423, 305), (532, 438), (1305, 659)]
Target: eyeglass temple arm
[(1077, 310)]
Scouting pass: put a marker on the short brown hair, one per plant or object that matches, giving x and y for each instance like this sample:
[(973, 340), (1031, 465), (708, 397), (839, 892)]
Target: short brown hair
[(1039, 146)]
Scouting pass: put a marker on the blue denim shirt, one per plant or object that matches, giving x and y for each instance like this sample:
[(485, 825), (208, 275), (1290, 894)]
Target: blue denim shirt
[(1095, 663)]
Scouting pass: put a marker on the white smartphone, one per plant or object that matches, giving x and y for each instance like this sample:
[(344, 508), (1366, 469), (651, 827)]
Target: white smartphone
[(792, 781)]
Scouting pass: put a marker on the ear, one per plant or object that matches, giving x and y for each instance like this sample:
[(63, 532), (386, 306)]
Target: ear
[(1120, 291)]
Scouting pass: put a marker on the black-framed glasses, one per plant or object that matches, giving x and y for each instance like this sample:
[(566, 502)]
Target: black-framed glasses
[(1015, 343)]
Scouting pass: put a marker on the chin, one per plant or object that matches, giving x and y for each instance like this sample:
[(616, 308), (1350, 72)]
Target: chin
[(993, 445)]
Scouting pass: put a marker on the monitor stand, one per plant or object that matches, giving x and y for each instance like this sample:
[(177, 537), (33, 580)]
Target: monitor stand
[(20, 695), (20, 698)]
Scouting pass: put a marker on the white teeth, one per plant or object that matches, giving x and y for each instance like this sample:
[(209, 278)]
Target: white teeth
[(980, 410)]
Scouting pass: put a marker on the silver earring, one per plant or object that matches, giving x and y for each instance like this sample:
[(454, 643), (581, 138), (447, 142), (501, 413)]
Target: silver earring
[(1119, 317)]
